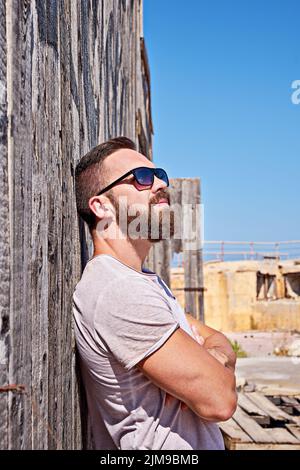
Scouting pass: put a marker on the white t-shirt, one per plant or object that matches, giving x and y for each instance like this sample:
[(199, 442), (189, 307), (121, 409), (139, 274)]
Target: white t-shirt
[(122, 316)]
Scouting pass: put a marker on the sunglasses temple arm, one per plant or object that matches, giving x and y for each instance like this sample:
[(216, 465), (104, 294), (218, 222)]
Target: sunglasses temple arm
[(113, 183)]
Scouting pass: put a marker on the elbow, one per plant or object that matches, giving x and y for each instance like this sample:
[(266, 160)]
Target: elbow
[(220, 410), (228, 409), (230, 401)]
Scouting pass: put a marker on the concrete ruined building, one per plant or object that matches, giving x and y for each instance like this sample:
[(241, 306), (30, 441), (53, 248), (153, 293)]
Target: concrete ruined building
[(248, 294)]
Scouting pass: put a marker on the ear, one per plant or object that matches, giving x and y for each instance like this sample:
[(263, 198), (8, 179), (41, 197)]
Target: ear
[(98, 207)]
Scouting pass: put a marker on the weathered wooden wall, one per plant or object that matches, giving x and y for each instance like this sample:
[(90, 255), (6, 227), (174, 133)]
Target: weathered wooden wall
[(72, 74)]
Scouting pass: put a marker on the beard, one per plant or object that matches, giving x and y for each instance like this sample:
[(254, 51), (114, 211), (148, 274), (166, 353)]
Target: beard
[(148, 222)]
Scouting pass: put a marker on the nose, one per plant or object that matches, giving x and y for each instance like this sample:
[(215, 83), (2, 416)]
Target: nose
[(158, 184)]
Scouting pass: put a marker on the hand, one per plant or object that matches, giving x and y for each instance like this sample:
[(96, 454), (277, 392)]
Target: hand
[(197, 335), (217, 347), (220, 356)]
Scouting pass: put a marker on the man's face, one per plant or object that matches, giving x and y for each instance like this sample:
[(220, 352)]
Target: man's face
[(141, 212)]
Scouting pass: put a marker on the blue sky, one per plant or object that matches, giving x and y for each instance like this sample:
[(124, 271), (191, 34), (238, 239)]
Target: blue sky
[(221, 75)]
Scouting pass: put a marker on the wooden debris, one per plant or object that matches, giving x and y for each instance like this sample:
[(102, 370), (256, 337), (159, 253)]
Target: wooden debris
[(282, 436), (295, 430), (258, 424), (272, 410), (249, 406), (232, 429), (262, 420), (254, 430), (292, 401)]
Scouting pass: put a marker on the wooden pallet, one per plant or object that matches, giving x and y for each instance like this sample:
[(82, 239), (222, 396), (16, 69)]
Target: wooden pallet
[(262, 422)]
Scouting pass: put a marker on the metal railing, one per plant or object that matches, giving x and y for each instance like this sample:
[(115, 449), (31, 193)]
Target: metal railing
[(222, 250)]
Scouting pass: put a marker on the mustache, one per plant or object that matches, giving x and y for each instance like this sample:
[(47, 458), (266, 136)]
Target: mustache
[(163, 194)]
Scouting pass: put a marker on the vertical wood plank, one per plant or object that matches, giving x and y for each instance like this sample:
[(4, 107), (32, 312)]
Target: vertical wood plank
[(175, 199), (4, 234), (191, 245), (67, 208), (44, 40), (78, 430), (54, 179), (19, 29), (162, 260)]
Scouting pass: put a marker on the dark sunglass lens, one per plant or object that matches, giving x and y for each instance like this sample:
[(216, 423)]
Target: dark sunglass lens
[(144, 176), (162, 175)]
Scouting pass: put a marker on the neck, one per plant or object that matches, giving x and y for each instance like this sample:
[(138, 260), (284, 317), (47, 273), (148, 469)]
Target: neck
[(130, 252)]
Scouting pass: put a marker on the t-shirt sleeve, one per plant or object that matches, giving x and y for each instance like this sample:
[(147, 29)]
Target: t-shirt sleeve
[(134, 320)]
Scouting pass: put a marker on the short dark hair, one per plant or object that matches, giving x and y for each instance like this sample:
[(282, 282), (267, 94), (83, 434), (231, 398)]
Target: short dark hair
[(90, 177)]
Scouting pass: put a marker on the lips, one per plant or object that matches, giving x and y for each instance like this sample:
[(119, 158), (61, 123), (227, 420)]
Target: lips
[(163, 201)]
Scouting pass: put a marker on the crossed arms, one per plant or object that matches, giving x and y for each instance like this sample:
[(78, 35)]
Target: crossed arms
[(214, 342), (199, 371)]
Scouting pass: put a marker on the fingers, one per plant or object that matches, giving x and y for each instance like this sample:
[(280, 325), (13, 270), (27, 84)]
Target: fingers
[(221, 357), (197, 336)]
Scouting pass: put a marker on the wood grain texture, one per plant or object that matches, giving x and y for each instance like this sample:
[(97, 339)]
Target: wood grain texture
[(250, 427), (283, 436), (231, 429), (258, 417), (72, 74), (249, 406), (4, 234), (294, 429), (272, 410)]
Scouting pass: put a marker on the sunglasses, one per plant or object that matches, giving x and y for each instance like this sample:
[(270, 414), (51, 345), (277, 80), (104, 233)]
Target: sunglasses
[(143, 175)]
